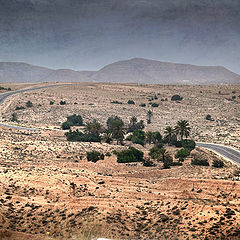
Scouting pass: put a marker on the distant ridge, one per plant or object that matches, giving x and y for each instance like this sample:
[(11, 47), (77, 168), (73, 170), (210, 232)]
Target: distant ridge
[(136, 70)]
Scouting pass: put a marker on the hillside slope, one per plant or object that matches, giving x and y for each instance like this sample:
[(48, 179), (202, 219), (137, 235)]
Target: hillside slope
[(150, 71), (136, 70)]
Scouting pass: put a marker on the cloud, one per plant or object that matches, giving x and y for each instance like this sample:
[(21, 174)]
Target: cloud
[(73, 32)]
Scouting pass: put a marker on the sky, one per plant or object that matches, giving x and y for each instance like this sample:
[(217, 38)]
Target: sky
[(89, 34)]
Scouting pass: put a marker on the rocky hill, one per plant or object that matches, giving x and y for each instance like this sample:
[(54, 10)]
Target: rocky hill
[(136, 70)]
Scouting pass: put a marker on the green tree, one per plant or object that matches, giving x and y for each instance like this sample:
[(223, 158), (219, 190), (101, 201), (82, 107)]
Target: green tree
[(149, 137), (94, 127), (183, 129), (137, 137), (115, 126), (157, 137), (169, 133), (149, 116), (75, 120), (135, 125), (107, 137), (66, 125)]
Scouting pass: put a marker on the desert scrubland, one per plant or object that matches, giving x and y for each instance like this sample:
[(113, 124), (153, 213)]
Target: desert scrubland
[(50, 191)]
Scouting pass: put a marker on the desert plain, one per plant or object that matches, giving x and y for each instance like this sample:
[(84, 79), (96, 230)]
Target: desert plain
[(50, 191)]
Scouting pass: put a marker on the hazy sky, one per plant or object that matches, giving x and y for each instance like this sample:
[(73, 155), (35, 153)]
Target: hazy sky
[(88, 34)]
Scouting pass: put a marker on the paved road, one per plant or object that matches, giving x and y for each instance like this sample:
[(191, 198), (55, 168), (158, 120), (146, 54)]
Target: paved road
[(3, 96), (227, 152)]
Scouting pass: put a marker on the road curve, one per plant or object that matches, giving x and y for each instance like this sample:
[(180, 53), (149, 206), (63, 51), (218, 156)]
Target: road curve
[(224, 151), (3, 97)]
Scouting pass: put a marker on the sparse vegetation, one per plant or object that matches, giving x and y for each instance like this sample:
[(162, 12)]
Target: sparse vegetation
[(130, 155), (73, 120), (137, 137), (155, 104), (131, 102), (176, 98), (29, 104), (135, 125), (183, 153), (77, 136), (95, 156), (20, 107), (217, 163), (208, 117), (62, 102), (188, 144), (14, 117), (199, 162)]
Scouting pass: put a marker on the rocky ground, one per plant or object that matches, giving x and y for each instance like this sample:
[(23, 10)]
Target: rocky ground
[(50, 191)]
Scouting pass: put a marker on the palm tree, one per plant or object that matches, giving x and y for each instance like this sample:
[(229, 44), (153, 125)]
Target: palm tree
[(149, 137), (183, 129), (149, 116), (107, 137), (169, 132), (163, 153), (116, 128), (94, 127)]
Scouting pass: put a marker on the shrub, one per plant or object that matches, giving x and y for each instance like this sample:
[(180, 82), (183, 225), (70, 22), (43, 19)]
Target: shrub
[(51, 103), (75, 120), (29, 104), (176, 98), (176, 143), (155, 152), (94, 156), (62, 102), (19, 107), (168, 161), (176, 163), (181, 159), (159, 145), (130, 155), (184, 152), (108, 154), (188, 144), (157, 137), (142, 105), (116, 102), (148, 163), (76, 136), (233, 97), (208, 117), (218, 163), (66, 125), (233, 92), (14, 117), (200, 162), (155, 104), (131, 102), (137, 137)]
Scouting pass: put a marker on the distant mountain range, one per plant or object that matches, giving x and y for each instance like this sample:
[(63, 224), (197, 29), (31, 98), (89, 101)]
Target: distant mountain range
[(136, 70)]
